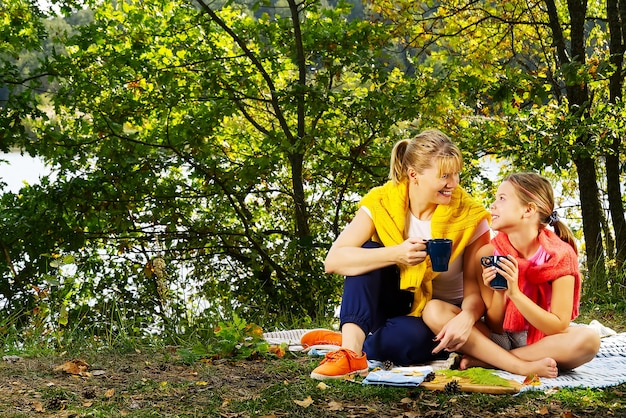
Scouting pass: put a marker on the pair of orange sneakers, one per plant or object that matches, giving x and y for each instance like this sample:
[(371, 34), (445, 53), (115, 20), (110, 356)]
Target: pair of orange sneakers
[(337, 364)]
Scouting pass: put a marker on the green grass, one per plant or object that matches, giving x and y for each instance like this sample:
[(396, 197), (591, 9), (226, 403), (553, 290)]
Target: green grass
[(146, 378)]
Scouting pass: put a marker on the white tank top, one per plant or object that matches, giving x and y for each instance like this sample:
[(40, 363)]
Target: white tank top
[(448, 285)]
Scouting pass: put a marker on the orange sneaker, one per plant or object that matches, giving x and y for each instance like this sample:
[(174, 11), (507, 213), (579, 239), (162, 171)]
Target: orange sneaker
[(321, 337), (339, 364)]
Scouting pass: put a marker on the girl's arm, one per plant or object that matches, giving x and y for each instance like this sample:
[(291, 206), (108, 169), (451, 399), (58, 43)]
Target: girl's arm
[(347, 257), (495, 301), (472, 299), (455, 333), (559, 317)]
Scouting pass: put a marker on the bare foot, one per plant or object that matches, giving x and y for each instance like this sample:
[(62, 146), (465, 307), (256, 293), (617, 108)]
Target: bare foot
[(469, 361), (543, 368)]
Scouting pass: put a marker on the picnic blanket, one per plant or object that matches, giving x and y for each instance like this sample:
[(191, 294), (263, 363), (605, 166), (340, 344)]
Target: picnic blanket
[(608, 368)]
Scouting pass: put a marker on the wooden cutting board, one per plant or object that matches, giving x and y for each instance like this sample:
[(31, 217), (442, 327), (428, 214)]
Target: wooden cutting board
[(440, 381)]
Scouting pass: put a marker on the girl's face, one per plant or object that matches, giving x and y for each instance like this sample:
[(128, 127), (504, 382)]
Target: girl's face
[(507, 210), (437, 188)]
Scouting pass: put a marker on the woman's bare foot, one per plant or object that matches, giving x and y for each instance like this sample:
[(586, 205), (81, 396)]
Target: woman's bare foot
[(543, 368)]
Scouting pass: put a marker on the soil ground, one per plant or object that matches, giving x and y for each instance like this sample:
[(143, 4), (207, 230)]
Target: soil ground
[(160, 384), (165, 383)]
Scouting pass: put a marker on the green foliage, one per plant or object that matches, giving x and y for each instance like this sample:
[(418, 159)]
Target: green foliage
[(207, 154), (234, 339)]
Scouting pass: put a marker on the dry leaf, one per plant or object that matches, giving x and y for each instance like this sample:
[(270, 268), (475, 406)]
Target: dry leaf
[(109, 393), (543, 411), (334, 406), (87, 404), (73, 367), (38, 406), (305, 403), (277, 350), (532, 379), (202, 383), (322, 386)]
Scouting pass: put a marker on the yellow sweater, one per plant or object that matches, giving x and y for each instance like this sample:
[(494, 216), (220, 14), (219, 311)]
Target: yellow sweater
[(389, 207)]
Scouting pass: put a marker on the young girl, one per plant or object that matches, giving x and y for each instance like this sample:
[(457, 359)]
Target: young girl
[(531, 317)]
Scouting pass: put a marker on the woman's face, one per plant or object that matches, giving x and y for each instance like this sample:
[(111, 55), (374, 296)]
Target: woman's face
[(436, 187)]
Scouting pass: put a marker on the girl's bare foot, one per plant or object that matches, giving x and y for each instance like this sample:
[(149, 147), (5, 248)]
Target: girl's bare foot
[(469, 361), (543, 368)]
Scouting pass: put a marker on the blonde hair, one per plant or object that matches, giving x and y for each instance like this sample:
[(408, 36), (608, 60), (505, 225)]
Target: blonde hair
[(533, 188), (421, 152)]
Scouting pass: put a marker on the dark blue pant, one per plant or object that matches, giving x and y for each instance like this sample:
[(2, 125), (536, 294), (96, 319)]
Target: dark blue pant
[(374, 302)]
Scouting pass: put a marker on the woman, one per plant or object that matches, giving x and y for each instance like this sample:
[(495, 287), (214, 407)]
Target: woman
[(389, 278)]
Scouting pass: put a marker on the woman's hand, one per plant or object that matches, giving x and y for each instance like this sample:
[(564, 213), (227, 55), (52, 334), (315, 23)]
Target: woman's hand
[(455, 333), (412, 251)]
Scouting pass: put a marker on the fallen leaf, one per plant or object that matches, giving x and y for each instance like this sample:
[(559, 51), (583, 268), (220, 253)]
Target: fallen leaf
[(277, 350), (109, 393), (322, 386), (38, 406), (543, 411), (87, 404), (202, 383), (73, 367), (406, 400), (334, 406), (305, 403), (532, 379)]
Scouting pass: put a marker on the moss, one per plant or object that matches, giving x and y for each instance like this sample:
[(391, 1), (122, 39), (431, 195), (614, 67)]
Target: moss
[(477, 375)]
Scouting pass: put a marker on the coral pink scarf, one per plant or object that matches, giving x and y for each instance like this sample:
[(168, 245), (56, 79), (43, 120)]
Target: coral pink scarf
[(534, 280)]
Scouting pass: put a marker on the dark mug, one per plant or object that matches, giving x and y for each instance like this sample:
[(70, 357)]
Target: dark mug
[(498, 282), (439, 250)]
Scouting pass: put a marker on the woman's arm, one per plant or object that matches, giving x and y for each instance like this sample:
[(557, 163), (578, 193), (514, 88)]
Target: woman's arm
[(347, 257)]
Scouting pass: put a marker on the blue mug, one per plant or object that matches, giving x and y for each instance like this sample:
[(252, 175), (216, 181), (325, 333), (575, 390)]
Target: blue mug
[(498, 282), (439, 250)]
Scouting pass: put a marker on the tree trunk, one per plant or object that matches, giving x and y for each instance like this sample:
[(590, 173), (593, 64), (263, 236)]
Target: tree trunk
[(591, 214), (616, 14), (579, 103)]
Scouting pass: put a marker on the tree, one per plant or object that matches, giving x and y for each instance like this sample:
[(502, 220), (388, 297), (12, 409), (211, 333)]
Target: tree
[(207, 158), (535, 74)]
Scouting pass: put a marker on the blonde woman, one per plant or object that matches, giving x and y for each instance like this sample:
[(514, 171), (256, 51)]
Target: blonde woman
[(389, 278)]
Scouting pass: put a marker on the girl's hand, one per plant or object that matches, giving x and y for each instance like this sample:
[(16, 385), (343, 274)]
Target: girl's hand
[(508, 268), (412, 251)]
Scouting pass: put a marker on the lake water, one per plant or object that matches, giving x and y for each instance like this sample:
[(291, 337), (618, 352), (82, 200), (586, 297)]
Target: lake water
[(17, 170)]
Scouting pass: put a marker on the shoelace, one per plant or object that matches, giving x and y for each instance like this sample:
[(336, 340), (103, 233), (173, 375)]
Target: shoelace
[(334, 355)]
